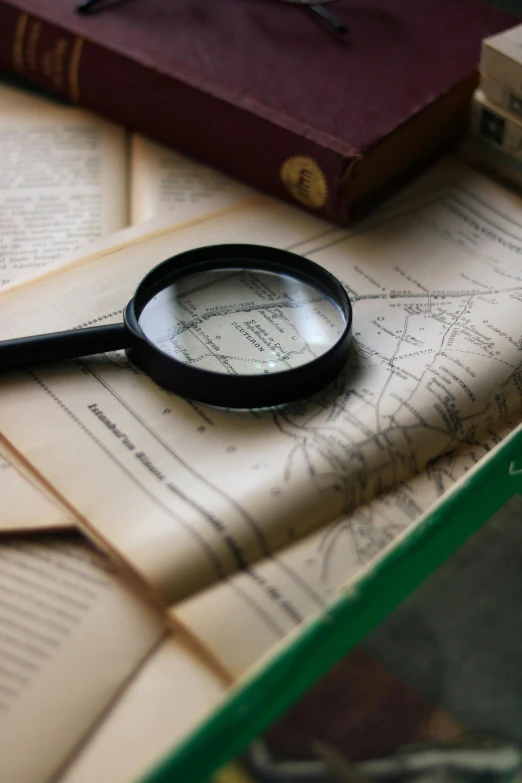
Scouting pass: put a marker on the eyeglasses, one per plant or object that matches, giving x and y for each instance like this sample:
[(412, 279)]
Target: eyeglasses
[(317, 8), (314, 6)]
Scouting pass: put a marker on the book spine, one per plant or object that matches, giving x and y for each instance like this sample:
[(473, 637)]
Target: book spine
[(500, 95), (259, 152)]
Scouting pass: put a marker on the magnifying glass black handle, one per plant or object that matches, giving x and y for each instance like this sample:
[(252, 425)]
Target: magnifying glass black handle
[(62, 345)]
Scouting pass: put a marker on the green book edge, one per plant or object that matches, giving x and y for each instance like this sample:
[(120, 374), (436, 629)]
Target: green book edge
[(255, 702)]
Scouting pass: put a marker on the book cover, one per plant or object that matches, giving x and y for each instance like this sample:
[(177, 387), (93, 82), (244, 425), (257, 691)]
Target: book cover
[(261, 90)]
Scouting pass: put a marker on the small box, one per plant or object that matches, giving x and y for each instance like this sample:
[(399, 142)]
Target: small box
[(502, 96), (496, 126), (501, 59)]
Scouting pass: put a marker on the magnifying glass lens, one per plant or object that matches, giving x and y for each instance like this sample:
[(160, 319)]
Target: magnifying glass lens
[(238, 326), (242, 321)]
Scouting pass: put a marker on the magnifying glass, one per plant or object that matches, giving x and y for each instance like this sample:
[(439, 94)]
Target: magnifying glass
[(239, 326)]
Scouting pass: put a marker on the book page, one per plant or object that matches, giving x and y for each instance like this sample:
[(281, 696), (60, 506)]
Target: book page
[(71, 634), (168, 696), (434, 367), (63, 181), (300, 581), (26, 504), (163, 180), (163, 224)]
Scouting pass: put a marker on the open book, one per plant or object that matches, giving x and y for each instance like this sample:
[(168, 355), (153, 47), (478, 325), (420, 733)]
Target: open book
[(72, 631), (68, 178), (309, 493)]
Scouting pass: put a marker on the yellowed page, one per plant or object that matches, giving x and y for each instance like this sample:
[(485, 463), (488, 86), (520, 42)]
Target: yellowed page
[(239, 623), (426, 375), (170, 694), (106, 283), (71, 634), (148, 711), (63, 181), (163, 180), (26, 505), (159, 226)]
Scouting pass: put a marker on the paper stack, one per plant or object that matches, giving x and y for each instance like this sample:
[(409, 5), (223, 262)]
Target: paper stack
[(342, 502), (494, 140)]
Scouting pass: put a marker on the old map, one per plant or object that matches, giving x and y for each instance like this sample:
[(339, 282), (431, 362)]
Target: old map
[(292, 500)]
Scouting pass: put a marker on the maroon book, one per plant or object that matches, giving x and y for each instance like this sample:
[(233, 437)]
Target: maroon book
[(263, 90)]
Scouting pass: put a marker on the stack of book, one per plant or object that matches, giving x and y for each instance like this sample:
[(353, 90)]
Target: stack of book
[(494, 140)]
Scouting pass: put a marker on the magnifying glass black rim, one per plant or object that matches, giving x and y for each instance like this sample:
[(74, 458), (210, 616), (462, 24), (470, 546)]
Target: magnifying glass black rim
[(226, 390)]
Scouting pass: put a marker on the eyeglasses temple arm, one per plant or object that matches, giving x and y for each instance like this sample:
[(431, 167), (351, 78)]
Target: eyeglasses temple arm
[(87, 6), (336, 23)]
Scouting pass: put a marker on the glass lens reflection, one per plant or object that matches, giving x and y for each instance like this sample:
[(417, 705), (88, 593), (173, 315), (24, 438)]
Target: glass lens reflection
[(242, 321)]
